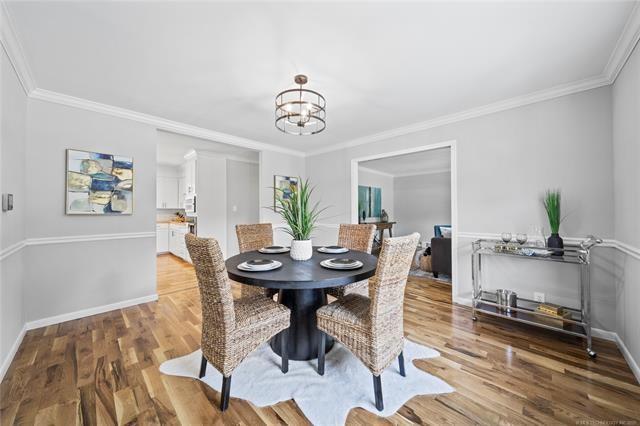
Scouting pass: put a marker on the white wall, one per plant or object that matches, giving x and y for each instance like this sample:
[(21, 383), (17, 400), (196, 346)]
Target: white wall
[(275, 163), (382, 181), (421, 202), (62, 276), (243, 204), (505, 162), (13, 109), (626, 189)]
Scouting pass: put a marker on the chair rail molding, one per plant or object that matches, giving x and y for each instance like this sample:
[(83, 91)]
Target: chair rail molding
[(14, 248), (619, 245)]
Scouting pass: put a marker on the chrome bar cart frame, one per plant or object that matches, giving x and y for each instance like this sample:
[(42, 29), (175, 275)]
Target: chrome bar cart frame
[(579, 322)]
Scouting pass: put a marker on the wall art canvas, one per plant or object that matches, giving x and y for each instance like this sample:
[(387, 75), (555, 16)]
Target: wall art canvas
[(286, 184), (369, 202), (99, 184)]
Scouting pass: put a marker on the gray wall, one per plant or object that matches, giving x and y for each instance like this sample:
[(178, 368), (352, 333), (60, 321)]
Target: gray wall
[(626, 189), (421, 202), (505, 162), (13, 109), (242, 192), (275, 163), (64, 277)]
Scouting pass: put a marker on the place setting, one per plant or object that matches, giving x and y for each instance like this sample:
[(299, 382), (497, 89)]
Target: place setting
[(341, 264), (332, 249), (274, 249), (259, 265)]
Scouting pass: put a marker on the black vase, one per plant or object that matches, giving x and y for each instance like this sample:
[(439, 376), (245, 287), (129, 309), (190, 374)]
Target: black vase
[(555, 242)]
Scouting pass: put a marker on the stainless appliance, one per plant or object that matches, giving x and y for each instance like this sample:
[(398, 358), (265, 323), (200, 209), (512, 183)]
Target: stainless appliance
[(192, 225), (190, 205)]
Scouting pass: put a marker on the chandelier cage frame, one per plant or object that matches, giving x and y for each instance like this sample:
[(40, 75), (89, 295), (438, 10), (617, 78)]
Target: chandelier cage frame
[(300, 111)]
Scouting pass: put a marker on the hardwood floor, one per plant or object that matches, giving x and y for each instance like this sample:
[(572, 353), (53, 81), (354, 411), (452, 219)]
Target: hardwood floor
[(174, 274), (104, 369)]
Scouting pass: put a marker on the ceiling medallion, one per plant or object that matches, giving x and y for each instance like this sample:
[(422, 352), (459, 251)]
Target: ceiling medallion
[(300, 111)]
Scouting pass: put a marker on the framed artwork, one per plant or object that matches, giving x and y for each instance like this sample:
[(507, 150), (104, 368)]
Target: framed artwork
[(369, 202), (98, 184), (286, 184)]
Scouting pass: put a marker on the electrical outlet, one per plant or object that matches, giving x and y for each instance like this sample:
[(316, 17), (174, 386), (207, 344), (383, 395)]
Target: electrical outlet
[(538, 297)]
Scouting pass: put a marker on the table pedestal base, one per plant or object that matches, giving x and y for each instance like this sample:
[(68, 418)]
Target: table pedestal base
[(303, 333)]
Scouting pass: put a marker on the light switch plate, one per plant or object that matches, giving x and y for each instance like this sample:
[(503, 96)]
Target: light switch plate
[(7, 202)]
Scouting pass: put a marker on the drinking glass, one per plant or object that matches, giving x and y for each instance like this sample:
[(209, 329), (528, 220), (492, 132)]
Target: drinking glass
[(506, 237), (521, 238)]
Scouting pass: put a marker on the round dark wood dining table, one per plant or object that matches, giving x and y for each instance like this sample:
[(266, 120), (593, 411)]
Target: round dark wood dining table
[(301, 286)]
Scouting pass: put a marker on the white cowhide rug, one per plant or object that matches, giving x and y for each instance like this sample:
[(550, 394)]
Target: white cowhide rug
[(325, 400)]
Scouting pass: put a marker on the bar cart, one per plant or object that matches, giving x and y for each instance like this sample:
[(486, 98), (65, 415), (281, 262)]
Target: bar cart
[(576, 322)]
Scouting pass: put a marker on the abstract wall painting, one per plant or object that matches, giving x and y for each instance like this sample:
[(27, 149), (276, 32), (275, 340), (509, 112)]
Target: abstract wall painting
[(99, 184), (286, 184), (369, 202)]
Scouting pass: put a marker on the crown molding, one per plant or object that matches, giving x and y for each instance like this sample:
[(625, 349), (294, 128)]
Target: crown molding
[(518, 101), (158, 122), (625, 45), (14, 50), (427, 172), (202, 153), (375, 172), (407, 174)]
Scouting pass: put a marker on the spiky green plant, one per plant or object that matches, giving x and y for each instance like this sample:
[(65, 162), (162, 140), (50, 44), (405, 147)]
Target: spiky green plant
[(297, 210), (552, 206)]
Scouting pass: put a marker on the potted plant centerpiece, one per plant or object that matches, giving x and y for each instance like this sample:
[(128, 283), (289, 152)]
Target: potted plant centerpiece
[(300, 216), (552, 206)]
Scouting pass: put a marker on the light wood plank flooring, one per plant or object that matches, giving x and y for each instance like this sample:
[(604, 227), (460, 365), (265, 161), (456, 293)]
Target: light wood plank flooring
[(104, 369)]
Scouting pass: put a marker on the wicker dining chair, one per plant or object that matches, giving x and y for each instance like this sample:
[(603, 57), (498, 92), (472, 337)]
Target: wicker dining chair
[(231, 329), (253, 237), (354, 237), (371, 327)]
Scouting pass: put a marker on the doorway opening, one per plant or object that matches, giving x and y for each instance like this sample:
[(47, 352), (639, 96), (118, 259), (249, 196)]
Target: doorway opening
[(410, 191), (204, 188)]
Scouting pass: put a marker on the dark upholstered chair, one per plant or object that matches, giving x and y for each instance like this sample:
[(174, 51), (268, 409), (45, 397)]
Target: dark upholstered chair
[(441, 256)]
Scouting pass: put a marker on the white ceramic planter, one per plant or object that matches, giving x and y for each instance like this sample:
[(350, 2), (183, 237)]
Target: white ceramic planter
[(301, 249)]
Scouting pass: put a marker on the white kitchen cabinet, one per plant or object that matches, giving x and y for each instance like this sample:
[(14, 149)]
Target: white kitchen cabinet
[(167, 193), (177, 245), (162, 238)]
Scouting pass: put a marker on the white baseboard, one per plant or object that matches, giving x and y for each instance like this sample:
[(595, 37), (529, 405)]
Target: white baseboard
[(12, 352), (604, 334), (633, 365), (44, 322)]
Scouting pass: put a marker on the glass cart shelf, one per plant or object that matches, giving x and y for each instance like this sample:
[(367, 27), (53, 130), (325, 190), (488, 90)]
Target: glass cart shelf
[(577, 323)]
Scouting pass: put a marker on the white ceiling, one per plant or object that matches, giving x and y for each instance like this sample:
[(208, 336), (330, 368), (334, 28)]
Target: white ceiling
[(173, 147), (380, 65), (423, 162)]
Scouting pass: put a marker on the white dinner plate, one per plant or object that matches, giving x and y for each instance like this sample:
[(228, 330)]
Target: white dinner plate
[(333, 249), (330, 264), (274, 249), (268, 267)]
